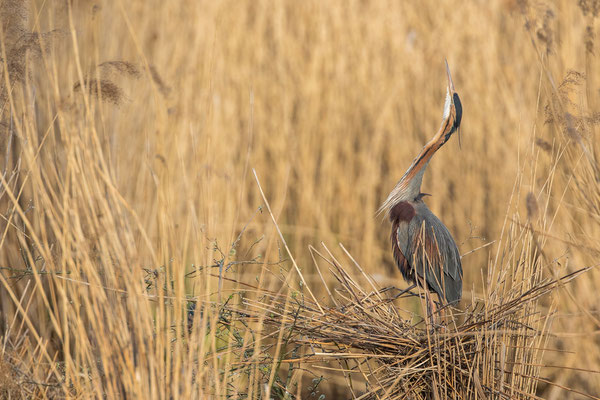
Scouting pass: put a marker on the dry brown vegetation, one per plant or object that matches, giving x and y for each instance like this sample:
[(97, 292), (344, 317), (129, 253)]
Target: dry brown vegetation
[(140, 257)]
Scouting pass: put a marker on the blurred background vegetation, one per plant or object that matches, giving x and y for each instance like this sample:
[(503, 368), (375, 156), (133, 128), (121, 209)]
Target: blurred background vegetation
[(130, 130)]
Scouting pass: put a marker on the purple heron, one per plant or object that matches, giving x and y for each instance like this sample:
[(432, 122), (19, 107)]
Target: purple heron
[(423, 248)]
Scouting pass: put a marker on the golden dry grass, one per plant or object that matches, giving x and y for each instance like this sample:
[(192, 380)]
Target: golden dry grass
[(130, 130)]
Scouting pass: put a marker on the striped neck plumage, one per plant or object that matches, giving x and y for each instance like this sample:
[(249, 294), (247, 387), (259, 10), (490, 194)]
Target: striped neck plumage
[(409, 186)]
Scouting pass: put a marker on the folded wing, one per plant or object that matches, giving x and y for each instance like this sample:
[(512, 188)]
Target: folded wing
[(430, 252)]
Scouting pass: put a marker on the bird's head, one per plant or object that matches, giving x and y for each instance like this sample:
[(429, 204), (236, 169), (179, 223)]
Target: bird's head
[(452, 111)]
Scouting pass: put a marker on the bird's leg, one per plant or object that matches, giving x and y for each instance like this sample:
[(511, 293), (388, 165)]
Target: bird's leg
[(431, 309), (407, 290), (441, 311)]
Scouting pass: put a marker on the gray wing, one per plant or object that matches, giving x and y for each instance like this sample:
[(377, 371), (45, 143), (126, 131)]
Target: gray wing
[(432, 253)]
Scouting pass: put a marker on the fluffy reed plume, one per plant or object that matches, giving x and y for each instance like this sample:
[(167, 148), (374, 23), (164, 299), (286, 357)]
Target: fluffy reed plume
[(120, 67), (103, 89)]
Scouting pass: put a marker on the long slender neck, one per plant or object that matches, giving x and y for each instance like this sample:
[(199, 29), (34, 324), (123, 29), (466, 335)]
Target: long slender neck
[(411, 181), (409, 185)]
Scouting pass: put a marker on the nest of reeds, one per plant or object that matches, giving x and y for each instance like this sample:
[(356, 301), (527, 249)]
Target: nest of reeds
[(489, 349)]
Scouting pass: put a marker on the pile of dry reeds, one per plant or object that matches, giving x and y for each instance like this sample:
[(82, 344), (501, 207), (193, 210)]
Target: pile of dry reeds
[(489, 350)]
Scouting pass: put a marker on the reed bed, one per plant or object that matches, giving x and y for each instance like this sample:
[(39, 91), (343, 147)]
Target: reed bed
[(140, 257), (493, 352)]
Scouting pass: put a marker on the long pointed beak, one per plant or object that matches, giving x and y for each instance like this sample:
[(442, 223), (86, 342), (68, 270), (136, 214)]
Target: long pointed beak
[(452, 93), (450, 83)]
